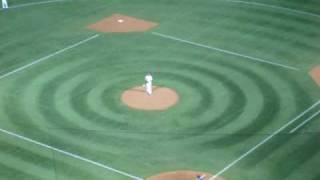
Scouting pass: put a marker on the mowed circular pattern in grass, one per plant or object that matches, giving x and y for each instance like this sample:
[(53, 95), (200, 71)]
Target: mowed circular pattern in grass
[(74, 99)]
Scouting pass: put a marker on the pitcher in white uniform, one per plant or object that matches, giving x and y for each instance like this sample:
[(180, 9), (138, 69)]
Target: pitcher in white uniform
[(5, 4), (148, 83)]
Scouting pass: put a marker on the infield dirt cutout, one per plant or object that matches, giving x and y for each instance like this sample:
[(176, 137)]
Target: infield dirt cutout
[(118, 23), (315, 74), (161, 98), (182, 175)]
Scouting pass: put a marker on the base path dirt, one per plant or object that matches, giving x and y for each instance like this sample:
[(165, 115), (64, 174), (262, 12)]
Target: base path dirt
[(315, 74), (182, 175), (118, 23), (162, 98)]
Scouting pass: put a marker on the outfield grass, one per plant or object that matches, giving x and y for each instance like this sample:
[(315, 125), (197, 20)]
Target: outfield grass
[(228, 103)]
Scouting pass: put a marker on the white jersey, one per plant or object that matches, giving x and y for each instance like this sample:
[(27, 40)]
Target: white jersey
[(148, 86), (4, 4), (148, 78)]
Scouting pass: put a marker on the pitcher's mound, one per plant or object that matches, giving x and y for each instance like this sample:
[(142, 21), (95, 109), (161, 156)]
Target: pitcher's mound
[(162, 98), (118, 23), (182, 175)]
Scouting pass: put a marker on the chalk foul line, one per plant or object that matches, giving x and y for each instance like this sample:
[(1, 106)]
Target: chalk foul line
[(34, 3), (263, 142), (227, 52), (304, 122), (69, 154), (48, 56)]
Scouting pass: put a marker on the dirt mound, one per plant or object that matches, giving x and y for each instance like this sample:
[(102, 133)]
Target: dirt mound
[(162, 98), (182, 175), (121, 23)]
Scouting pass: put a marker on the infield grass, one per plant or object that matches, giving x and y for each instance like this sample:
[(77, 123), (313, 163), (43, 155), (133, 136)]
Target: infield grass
[(228, 103)]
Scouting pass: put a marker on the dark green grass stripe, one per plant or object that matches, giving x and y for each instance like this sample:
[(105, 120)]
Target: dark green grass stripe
[(79, 104), (244, 14), (299, 8), (277, 43), (18, 116), (66, 138), (279, 25), (67, 170), (23, 122), (298, 156), (80, 92), (265, 117), (228, 52), (252, 31), (287, 154), (316, 177), (44, 162), (207, 96), (292, 40), (34, 3), (8, 172), (27, 155), (55, 118), (66, 153), (15, 162), (24, 82), (223, 16)]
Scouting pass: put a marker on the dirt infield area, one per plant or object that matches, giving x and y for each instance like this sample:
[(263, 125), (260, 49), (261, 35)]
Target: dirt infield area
[(162, 98), (315, 74), (118, 23), (182, 175)]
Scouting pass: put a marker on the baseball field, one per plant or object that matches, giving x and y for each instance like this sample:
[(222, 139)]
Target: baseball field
[(245, 76)]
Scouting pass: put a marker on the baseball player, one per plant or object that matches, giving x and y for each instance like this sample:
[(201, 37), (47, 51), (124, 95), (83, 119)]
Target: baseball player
[(148, 83), (200, 177), (5, 4)]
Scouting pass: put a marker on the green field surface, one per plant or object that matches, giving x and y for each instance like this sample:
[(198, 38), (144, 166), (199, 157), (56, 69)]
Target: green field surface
[(248, 108)]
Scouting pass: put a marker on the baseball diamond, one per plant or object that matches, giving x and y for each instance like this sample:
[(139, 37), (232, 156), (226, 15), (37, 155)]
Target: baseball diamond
[(235, 92)]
